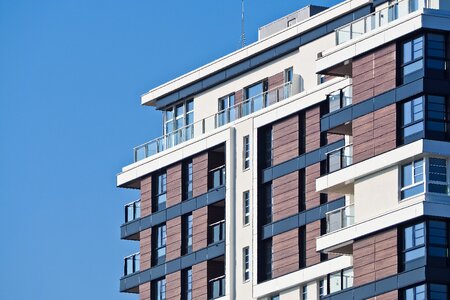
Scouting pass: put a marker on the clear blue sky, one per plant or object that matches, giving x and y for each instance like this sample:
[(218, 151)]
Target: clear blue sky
[(71, 76)]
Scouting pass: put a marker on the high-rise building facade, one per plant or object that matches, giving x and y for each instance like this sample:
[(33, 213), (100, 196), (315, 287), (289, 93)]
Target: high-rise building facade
[(311, 164)]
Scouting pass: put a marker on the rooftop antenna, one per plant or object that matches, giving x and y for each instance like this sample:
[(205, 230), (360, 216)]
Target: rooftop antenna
[(243, 26)]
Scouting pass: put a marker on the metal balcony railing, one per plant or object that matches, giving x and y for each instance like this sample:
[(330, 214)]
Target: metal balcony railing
[(340, 99), (340, 218), (132, 211), (339, 158), (131, 264), (217, 287), (217, 232), (378, 19), (212, 122), (217, 177)]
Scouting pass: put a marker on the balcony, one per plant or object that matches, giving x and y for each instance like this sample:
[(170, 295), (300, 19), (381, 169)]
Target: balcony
[(210, 123), (131, 264), (340, 99), (216, 232), (339, 158), (132, 211), (217, 177), (217, 287), (379, 19), (340, 218)]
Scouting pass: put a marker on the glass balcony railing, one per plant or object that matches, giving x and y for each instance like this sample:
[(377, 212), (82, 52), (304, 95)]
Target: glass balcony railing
[(217, 177), (132, 211), (217, 232), (339, 158), (131, 264), (217, 287), (340, 99), (378, 19), (210, 123), (340, 218)]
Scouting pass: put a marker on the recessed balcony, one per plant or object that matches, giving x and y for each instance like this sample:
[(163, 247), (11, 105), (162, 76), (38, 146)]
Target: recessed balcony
[(339, 158), (340, 218), (208, 124)]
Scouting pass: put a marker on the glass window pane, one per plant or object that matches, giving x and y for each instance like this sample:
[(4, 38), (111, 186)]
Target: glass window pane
[(406, 175), (407, 52), (415, 190), (415, 254)]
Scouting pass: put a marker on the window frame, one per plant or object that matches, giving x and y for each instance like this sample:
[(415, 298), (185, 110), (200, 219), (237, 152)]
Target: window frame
[(246, 210), (413, 184), (186, 284), (187, 121), (158, 289), (246, 264), (414, 74), (157, 193), (246, 153), (159, 241)]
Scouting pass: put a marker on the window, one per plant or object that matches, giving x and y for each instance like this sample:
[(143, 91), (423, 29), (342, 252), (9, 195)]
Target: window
[(437, 239), (178, 123), (437, 123), (413, 242), (412, 120), (186, 234), (436, 57), (187, 180), (347, 278), (415, 293), (159, 244), (431, 46), (265, 213), (246, 153), (186, 284), (305, 292), (265, 260), (412, 61), (275, 297), (412, 179), (246, 198), (340, 99), (226, 110), (255, 98), (288, 78), (335, 282), (158, 289), (323, 290), (438, 291), (321, 78), (246, 263), (437, 176), (159, 192)]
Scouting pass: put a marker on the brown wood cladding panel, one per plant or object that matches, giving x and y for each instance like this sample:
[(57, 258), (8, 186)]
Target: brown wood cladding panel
[(276, 80), (285, 196), (374, 133), (285, 253), (388, 296), (375, 257), (200, 174), (312, 129), (312, 232), (173, 286), (174, 185), (146, 196), (374, 73), (385, 129), (312, 197), (200, 228), (200, 281), (144, 291), (238, 96), (285, 138), (173, 238), (145, 249)]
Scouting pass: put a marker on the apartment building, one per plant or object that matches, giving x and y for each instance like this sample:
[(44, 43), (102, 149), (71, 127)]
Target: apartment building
[(311, 164)]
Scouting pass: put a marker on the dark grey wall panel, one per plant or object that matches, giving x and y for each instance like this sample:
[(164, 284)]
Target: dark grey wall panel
[(132, 281), (129, 229)]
